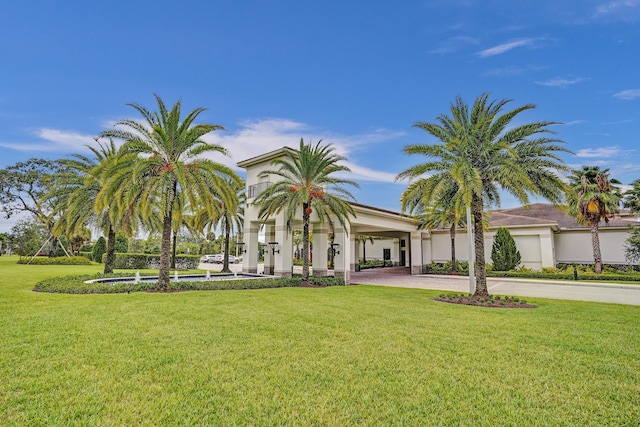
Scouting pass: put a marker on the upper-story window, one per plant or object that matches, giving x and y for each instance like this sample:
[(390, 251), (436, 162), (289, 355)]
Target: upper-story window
[(256, 189)]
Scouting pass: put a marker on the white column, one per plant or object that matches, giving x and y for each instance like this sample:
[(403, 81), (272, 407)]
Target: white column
[(320, 247), (250, 258), (415, 252), (395, 255), (342, 260), (284, 257)]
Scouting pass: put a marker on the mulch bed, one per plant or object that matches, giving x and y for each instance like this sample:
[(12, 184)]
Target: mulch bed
[(492, 301)]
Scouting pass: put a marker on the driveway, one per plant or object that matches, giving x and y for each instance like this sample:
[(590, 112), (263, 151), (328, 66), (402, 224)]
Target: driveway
[(580, 291)]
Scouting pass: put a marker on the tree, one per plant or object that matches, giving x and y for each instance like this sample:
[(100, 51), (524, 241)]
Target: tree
[(121, 244), (167, 162), (482, 152), (99, 249), (27, 236), (76, 187), (593, 197), (504, 253), (308, 183), (632, 246), (632, 198), (22, 187), (364, 240)]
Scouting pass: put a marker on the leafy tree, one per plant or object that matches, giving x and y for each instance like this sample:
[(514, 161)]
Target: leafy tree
[(167, 162), (504, 253), (99, 249), (632, 198), (136, 246), (632, 246), (27, 236), (593, 197), (483, 152), (22, 187), (308, 183)]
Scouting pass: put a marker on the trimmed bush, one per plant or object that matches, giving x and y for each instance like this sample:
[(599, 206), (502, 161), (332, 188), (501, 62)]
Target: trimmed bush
[(76, 285), (504, 254), (99, 250), (61, 260), (87, 255)]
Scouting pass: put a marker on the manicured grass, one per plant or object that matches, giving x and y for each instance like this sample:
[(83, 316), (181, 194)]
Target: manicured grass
[(358, 355)]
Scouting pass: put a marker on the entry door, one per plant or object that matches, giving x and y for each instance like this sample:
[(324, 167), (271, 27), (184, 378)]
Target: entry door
[(403, 258)]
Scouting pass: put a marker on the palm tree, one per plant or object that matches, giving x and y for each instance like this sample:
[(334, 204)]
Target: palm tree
[(632, 198), (168, 151), (483, 152), (593, 197), (364, 239), (436, 206), (76, 188), (229, 218), (308, 183)]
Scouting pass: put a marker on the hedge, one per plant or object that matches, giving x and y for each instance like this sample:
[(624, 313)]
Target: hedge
[(61, 260), (76, 285), (142, 261)]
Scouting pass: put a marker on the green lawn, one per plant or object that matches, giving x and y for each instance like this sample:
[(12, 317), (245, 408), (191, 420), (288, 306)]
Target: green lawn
[(359, 355)]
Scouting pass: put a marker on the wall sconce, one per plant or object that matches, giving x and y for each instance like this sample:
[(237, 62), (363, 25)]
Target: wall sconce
[(334, 248), (241, 247), (273, 246)]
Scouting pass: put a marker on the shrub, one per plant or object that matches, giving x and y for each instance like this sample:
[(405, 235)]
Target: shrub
[(76, 285), (142, 261), (61, 260), (504, 254), (99, 249), (121, 245)]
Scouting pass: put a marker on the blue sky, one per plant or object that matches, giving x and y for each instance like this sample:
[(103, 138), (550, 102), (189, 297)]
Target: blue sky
[(357, 74)]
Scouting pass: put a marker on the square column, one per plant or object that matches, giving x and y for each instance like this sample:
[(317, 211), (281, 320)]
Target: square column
[(284, 258), (320, 248), (415, 247), (342, 260), (250, 239)]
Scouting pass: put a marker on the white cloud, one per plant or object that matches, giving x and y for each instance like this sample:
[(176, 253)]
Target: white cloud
[(505, 47), (53, 140), (257, 137), (628, 94), (560, 82), (615, 6), (602, 152), (453, 44), (574, 122)]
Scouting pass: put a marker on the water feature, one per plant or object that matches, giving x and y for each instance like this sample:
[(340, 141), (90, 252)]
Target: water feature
[(208, 276), (137, 278)]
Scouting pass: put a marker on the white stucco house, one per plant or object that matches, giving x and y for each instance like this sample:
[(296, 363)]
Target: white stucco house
[(544, 235)]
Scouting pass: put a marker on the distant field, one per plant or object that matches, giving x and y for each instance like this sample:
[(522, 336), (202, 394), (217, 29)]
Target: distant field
[(358, 355)]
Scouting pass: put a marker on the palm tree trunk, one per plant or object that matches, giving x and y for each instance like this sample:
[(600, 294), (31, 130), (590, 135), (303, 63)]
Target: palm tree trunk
[(364, 252), (110, 259), (595, 243), (481, 275), (331, 252), (227, 233), (164, 281), (452, 233), (305, 243), (174, 242)]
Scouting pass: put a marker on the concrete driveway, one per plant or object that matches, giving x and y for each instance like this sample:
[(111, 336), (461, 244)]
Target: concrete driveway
[(580, 291)]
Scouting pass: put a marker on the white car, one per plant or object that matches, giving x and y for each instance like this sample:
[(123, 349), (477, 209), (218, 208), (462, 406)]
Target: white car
[(208, 259), (219, 259)]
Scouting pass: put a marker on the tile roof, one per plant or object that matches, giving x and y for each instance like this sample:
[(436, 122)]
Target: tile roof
[(545, 213)]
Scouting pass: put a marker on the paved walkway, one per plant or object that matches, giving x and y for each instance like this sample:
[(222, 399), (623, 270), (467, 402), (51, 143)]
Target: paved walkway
[(580, 291)]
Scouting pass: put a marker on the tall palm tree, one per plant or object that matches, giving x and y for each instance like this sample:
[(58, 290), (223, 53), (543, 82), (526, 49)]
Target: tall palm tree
[(76, 187), (632, 198), (308, 183), (436, 204), (483, 152), (169, 162), (229, 218), (593, 197)]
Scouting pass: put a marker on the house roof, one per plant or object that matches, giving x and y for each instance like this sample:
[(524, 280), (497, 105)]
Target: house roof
[(545, 213), (262, 158)]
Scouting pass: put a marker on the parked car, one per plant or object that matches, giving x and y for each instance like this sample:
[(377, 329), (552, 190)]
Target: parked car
[(208, 259), (219, 259)]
